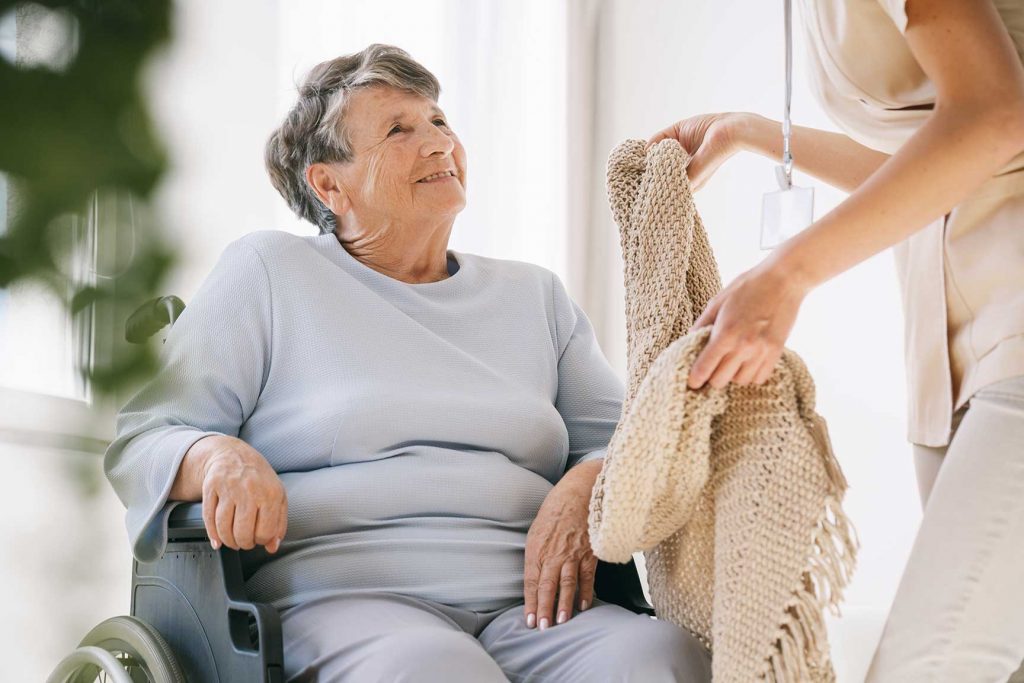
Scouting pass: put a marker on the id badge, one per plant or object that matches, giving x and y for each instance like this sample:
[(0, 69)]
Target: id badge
[(784, 213)]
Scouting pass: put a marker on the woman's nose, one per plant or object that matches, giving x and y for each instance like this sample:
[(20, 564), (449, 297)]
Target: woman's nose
[(436, 141)]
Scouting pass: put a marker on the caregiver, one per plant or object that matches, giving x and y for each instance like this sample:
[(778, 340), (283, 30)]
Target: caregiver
[(931, 95)]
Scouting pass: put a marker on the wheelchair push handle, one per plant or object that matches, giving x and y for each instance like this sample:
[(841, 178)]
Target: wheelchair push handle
[(151, 317)]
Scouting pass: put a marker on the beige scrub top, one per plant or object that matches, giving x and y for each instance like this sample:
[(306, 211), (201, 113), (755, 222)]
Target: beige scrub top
[(962, 276)]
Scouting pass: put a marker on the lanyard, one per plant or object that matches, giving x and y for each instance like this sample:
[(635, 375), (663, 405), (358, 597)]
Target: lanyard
[(789, 209), (787, 157)]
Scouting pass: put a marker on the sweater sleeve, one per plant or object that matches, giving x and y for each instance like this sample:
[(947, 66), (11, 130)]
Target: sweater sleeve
[(212, 368), (590, 394)]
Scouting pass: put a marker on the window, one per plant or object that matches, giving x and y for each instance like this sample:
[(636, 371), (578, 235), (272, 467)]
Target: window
[(42, 346)]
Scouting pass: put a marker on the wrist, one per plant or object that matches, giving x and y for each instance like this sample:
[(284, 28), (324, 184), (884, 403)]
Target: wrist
[(205, 450), (188, 481), (795, 271), (748, 131)]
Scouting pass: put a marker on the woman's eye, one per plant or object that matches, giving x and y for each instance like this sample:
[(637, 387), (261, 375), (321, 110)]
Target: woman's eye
[(397, 128)]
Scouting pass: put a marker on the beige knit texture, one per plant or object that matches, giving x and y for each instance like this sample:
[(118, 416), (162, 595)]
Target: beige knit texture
[(733, 494)]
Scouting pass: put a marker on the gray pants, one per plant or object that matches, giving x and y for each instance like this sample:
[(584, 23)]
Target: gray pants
[(387, 637)]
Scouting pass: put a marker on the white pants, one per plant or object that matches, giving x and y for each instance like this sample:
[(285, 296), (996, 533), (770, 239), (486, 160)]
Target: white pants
[(958, 614)]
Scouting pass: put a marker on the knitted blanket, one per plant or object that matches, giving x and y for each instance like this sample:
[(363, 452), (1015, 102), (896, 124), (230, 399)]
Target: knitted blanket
[(733, 494)]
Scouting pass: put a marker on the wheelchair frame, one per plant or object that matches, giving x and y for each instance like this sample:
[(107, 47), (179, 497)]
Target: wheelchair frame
[(195, 597)]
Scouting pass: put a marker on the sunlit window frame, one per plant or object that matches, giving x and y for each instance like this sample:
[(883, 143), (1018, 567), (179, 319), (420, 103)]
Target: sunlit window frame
[(43, 419)]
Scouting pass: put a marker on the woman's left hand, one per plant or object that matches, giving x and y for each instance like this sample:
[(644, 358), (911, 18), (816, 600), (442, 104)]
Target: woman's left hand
[(558, 554), (752, 319)]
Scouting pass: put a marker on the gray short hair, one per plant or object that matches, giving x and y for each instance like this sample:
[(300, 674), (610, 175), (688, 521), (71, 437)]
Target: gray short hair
[(314, 130)]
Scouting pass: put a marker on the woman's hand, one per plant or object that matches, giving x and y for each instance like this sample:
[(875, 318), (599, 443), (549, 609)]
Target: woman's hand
[(558, 554), (752, 319), (244, 502), (709, 139)]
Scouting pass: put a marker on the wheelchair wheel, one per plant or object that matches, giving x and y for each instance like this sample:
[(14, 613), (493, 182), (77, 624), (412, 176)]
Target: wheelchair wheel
[(136, 653)]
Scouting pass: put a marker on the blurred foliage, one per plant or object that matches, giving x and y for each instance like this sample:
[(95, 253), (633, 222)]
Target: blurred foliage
[(73, 133)]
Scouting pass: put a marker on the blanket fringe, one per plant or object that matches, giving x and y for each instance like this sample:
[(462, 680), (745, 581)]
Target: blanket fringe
[(800, 651), (819, 431)]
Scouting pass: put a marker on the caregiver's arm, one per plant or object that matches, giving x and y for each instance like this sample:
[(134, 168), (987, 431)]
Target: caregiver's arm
[(711, 139), (977, 126), (832, 158)]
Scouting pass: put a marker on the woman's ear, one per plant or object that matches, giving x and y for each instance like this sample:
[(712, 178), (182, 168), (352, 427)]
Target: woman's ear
[(325, 183)]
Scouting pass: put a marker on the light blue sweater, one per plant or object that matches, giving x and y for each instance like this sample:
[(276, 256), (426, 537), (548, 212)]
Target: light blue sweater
[(417, 428)]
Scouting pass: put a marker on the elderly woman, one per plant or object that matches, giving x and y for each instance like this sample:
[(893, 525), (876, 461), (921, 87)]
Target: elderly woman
[(404, 436)]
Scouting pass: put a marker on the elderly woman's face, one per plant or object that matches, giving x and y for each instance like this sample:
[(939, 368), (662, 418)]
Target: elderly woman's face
[(407, 164)]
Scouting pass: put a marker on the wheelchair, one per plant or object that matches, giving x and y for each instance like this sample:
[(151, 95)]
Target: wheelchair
[(191, 620)]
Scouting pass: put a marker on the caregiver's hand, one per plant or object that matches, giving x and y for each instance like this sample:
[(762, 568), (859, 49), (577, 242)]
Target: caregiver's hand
[(709, 139), (558, 554), (244, 502), (752, 319)]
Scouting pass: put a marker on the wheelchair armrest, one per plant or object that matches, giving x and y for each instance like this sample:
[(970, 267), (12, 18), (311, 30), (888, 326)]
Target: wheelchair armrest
[(196, 598), (185, 523)]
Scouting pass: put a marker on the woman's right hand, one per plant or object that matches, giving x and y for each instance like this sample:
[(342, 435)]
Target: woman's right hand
[(709, 139), (244, 501)]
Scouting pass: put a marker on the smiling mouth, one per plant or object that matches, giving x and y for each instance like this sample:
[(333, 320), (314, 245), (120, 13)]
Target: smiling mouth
[(437, 176)]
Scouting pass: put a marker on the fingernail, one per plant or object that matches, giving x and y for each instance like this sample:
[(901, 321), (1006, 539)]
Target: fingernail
[(531, 619), (215, 544), (561, 617), (543, 623), (584, 605)]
